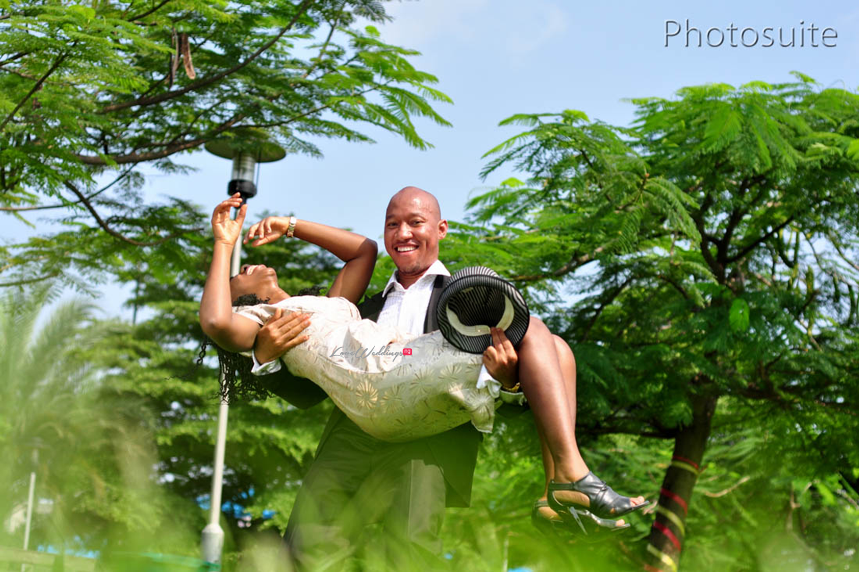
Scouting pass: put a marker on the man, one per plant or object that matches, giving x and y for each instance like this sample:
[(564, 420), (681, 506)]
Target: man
[(356, 480)]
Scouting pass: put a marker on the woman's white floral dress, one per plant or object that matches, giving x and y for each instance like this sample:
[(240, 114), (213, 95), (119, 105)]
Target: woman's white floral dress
[(392, 394)]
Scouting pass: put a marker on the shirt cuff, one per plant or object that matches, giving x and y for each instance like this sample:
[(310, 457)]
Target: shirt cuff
[(510, 397), (265, 368), (484, 379)]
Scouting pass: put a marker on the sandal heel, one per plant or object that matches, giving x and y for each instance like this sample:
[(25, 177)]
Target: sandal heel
[(576, 516)]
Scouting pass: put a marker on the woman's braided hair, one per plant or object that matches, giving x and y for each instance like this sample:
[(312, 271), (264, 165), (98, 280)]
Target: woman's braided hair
[(235, 369)]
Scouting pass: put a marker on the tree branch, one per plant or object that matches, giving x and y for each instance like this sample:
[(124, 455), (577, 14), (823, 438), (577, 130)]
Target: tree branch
[(148, 12), (35, 88), (763, 279), (64, 205), (141, 157), (191, 124), (325, 44), (17, 73), (728, 490), (17, 56), (573, 264), (733, 220), (760, 240), (674, 283), (112, 232), (29, 280), (38, 208), (328, 105), (717, 269), (216, 77), (841, 253), (738, 214), (612, 297)]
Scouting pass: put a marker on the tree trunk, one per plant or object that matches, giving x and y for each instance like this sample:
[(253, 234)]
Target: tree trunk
[(666, 535)]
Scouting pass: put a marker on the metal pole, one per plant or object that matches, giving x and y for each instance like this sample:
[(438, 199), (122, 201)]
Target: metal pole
[(30, 495), (212, 542), (244, 163), (29, 509)]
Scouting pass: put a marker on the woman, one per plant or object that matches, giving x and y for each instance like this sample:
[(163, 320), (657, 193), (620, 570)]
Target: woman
[(387, 396)]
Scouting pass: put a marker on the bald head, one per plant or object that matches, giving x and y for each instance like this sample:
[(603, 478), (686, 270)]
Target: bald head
[(419, 198), (413, 229)]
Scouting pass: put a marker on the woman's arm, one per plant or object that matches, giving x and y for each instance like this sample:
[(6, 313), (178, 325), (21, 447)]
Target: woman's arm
[(228, 330), (358, 252)]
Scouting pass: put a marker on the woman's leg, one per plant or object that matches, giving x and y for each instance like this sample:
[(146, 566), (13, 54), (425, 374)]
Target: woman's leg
[(568, 369), (544, 384), (529, 355), (567, 363)]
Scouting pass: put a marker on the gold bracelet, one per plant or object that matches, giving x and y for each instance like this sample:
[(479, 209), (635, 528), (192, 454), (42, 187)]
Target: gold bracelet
[(514, 389), (291, 229)]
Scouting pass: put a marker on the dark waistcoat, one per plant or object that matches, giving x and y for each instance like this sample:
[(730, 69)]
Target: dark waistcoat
[(455, 450)]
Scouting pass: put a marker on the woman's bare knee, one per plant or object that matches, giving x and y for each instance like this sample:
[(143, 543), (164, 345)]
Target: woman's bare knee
[(565, 352), (536, 325), (537, 331)]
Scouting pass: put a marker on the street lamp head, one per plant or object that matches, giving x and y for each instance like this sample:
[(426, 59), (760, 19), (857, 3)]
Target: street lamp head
[(246, 148)]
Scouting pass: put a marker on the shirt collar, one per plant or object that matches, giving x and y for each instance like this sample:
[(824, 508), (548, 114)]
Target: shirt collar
[(435, 269)]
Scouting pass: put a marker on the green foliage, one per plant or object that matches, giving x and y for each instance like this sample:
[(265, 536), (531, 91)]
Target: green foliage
[(269, 443), (89, 451), (89, 92), (773, 502), (709, 250), (762, 502)]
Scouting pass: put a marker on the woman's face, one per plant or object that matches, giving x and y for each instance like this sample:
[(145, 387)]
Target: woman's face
[(254, 279)]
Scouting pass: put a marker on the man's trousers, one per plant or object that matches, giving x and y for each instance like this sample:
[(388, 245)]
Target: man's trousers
[(365, 500)]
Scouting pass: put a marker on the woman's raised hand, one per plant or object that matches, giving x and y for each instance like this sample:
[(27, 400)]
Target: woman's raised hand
[(267, 230), (224, 228)]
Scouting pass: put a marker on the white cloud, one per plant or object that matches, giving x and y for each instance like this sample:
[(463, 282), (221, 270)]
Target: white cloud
[(419, 22)]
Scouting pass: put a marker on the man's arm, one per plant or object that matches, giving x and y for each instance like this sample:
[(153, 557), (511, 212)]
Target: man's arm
[(297, 391), (502, 363), (284, 330)]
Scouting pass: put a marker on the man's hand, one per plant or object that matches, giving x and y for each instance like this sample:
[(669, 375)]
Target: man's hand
[(279, 334), (501, 360)]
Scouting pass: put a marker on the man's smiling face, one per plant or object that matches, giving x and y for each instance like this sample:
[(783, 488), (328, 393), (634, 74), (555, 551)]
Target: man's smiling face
[(413, 228)]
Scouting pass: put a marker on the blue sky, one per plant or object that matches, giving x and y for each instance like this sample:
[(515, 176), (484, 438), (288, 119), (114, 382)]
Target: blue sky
[(500, 57)]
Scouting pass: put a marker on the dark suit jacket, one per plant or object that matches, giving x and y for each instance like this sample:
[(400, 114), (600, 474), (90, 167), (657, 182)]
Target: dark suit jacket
[(455, 451)]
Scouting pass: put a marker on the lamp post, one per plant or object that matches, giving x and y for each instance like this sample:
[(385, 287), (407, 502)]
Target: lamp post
[(249, 148)]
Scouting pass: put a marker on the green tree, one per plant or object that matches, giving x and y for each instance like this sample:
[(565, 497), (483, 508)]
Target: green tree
[(88, 450), (712, 246), (269, 443), (91, 91)]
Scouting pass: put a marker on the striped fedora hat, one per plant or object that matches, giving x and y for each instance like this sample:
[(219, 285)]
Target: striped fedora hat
[(477, 299)]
